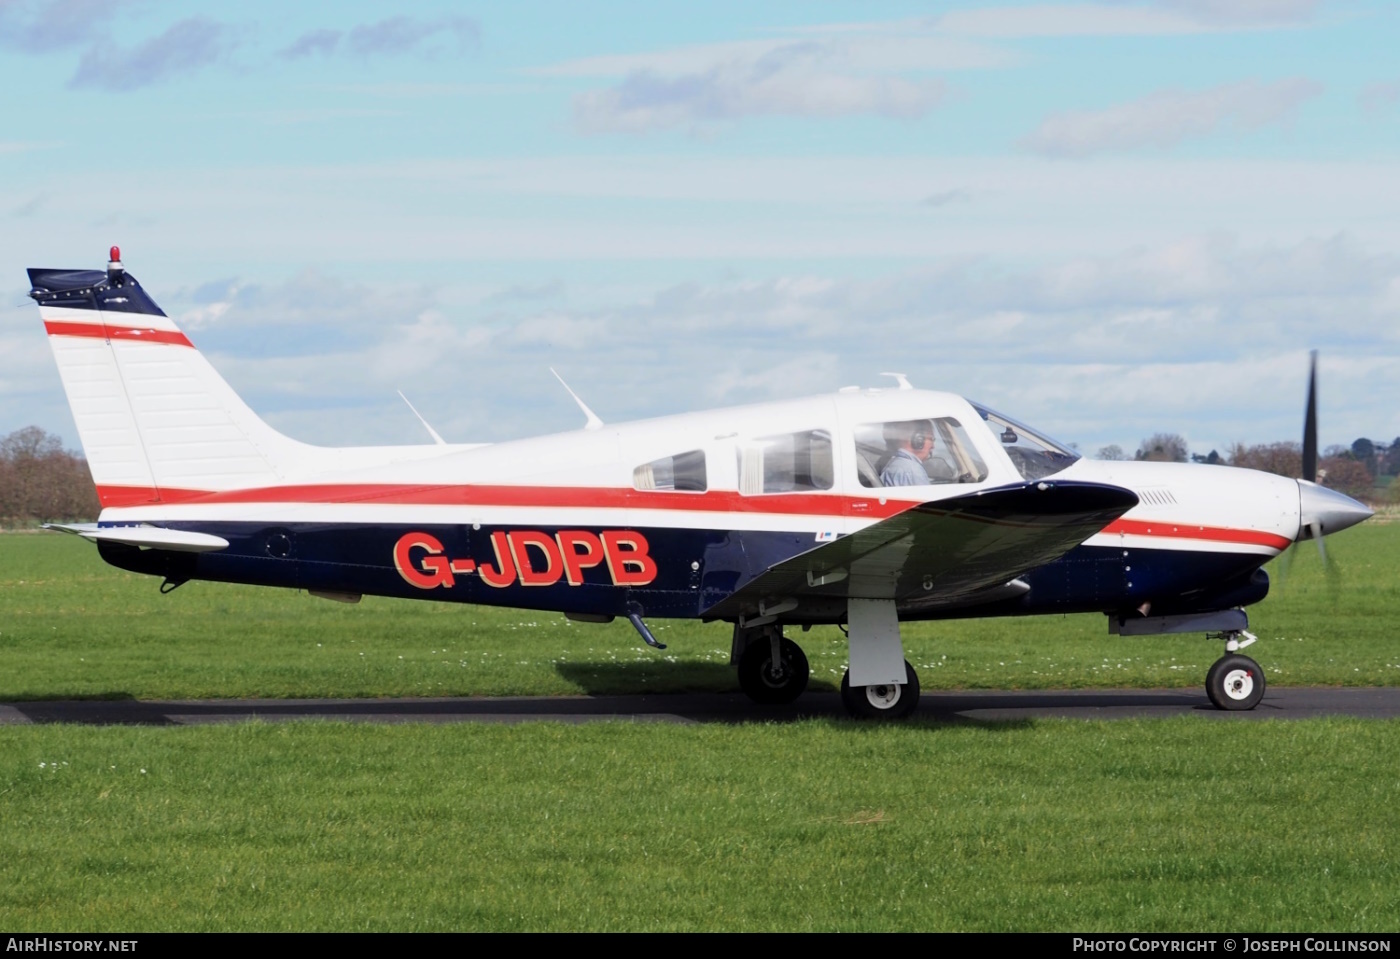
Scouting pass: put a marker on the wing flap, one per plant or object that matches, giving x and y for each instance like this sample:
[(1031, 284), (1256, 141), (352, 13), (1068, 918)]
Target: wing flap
[(947, 552)]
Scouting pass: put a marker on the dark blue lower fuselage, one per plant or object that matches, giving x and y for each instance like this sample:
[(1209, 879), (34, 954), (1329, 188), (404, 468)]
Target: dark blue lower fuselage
[(694, 570)]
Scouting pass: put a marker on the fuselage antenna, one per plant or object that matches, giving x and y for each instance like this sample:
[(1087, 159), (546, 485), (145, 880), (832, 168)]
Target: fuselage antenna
[(431, 432), (593, 422)]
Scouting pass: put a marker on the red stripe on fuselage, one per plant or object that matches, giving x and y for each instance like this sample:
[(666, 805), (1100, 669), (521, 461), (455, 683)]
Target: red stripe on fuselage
[(145, 495), (106, 331), (587, 497), (1214, 534), (558, 497)]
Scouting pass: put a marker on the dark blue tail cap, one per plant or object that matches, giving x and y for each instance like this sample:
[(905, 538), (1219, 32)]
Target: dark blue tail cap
[(91, 290)]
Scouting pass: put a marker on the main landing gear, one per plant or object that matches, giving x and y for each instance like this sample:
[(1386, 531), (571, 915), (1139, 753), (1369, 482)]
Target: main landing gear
[(1235, 681), (773, 670), (883, 700)]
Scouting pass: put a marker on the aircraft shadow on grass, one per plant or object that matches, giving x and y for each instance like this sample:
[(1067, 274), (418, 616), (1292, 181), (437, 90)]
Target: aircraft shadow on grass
[(996, 709), (625, 679)]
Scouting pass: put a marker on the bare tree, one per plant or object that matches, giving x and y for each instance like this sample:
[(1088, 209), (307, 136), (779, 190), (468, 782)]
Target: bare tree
[(1111, 452), (1285, 459), (1346, 475), (1338, 470), (1163, 448), (1391, 464), (40, 480)]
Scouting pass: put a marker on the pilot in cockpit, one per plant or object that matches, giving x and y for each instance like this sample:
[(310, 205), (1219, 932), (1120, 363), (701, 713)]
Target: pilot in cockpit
[(913, 443), (913, 461)]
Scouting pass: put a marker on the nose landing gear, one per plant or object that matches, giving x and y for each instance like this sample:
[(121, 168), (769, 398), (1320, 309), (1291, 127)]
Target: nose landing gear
[(1235, 681)]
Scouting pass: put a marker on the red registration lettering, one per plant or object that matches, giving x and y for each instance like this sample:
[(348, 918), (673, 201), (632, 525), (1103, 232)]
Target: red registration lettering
[(576, 560), (520, 543), (628, 558), (504, 572), (434, 569), (420, 559)]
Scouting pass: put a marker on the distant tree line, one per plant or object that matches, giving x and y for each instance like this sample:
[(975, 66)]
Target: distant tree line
[(1365, 470), (41, 482)]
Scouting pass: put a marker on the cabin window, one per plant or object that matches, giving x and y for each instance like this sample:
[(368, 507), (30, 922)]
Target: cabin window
[(1033, 453), (924, 452), (684, 472), (788, 463)]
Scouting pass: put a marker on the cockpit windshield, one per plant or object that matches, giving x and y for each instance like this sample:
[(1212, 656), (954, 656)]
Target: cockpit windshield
[(1034, 454)]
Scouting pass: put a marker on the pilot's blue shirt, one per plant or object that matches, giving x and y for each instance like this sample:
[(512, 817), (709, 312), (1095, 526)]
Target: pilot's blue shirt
[(904, 469)]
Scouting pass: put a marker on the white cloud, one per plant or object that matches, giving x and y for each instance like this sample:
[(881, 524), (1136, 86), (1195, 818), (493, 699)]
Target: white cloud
[(800, 79), (881, 68), (558, 331), (1149, 18), (432, 218), (1233, 12), (186, 47), (881, 47), (753, 376), (1379, 97), (1067, 20), (39, 26), (14, 146), (1205, 335), (952, 41), (1168, 117)]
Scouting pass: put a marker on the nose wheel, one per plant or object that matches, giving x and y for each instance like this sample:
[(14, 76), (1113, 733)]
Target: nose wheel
[(773, 671), (887, 701), (1235, 682)]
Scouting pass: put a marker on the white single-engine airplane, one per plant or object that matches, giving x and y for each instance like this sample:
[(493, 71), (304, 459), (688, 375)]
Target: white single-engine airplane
[(862, 508)]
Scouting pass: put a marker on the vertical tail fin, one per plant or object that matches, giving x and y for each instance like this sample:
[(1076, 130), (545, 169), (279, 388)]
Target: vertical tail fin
[(157, 423)]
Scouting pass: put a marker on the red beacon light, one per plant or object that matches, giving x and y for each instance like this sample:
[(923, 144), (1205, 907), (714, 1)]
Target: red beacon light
[(114, 264)]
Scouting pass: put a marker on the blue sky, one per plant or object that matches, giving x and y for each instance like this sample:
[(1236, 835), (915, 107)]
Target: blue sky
[(1109, 219)]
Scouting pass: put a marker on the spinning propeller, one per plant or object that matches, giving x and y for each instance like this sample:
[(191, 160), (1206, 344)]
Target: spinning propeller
[(1322, 510)]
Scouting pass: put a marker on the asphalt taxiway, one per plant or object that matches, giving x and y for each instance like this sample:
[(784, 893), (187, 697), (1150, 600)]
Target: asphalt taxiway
[(964, 706)]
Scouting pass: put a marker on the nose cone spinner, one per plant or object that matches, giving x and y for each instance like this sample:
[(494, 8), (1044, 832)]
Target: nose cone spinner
[(1326, 511)]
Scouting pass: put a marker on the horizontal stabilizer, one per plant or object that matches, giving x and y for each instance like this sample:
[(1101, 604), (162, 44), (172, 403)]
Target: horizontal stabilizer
[(155, 537)]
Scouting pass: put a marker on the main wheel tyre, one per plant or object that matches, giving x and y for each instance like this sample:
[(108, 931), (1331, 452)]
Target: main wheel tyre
[(890, 701), (771, 685), (1235, 682)]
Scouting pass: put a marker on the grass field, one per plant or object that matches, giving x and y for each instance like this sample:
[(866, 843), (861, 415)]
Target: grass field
[(1164, 825), (71, 626), (1181, 824)]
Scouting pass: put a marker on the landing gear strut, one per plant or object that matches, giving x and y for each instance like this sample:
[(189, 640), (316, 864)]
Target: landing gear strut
[(1235, 681), (773, 669)]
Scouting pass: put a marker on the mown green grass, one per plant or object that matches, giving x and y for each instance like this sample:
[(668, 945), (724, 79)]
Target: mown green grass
[(1183, 824), (70, 626)]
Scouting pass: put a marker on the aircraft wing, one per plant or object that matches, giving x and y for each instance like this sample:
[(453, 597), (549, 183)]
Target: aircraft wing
[(944, 553)]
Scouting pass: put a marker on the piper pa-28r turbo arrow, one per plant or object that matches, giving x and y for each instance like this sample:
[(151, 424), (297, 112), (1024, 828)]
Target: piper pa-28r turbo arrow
[(863, 509)]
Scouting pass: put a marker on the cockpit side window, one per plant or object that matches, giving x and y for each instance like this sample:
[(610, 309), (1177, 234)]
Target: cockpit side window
[(926, 452), (684, 472), (787, 463), (1033, 454)]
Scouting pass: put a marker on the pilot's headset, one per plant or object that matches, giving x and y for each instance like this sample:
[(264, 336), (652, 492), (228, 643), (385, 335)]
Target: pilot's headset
[(919, 441)]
